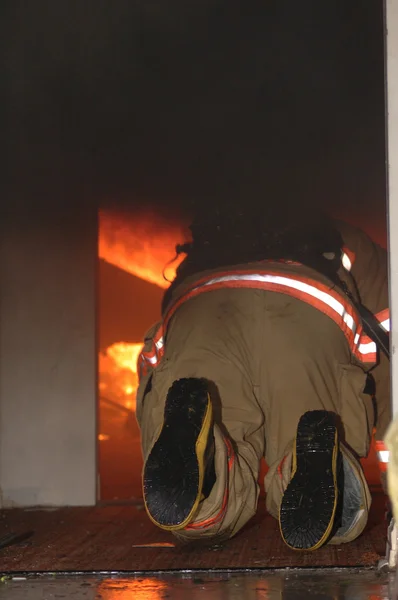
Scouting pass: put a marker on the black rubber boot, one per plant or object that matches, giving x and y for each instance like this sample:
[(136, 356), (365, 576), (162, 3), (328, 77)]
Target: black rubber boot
[(179, 471), (308, 508)]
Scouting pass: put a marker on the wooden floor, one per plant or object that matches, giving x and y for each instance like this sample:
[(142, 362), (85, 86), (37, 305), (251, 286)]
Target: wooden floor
[(121, 538)]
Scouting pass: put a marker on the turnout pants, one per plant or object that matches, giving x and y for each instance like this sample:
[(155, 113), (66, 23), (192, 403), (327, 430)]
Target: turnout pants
[(268, 358)]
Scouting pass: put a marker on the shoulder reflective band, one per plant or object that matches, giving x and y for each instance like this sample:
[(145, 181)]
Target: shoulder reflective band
[(383, 456), (329, 301)]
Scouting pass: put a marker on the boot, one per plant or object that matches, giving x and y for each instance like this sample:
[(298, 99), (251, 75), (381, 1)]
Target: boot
[(355, 501), (308, 508), (179, 471)]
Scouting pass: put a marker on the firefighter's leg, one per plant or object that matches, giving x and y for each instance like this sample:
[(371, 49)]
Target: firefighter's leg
[(208, 350), (315, 411)]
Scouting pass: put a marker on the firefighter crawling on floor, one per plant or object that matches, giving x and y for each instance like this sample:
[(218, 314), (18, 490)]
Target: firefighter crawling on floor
[(271, 341)]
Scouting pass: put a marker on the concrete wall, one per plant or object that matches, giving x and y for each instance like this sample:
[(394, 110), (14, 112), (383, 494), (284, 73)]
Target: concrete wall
[(392, 123), (48, 358)]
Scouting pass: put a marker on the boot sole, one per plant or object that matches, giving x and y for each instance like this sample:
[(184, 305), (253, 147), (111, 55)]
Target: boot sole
[(308, 506), (174, 471)]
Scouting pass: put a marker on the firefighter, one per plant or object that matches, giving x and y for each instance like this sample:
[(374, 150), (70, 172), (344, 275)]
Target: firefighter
[(262, 352)]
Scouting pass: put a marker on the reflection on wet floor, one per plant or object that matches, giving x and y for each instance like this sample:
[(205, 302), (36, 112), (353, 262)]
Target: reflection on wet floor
[(288, 584)]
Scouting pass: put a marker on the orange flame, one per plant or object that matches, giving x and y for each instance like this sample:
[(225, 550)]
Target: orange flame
[(143, 247), (118, 373)]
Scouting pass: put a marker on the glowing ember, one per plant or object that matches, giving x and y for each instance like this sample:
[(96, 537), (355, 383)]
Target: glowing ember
[(118, 374), (142, 248)]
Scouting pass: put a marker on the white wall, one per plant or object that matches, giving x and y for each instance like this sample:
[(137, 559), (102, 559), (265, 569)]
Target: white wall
[(48, 359), (392, 123)]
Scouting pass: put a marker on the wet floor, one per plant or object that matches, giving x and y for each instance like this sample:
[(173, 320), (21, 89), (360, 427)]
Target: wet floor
[(267, 585)]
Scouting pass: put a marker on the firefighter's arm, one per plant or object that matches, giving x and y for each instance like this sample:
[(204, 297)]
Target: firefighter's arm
[(381, 374), (148, 360), (370, 272)]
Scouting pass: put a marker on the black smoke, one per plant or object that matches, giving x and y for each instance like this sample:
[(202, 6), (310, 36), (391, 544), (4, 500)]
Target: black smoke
[(138, 104)]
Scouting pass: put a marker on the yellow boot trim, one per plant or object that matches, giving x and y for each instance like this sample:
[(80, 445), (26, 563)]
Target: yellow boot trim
[(200, 450)]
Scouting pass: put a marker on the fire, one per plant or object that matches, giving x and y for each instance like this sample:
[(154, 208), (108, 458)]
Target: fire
[(118, 374), (143, 247)]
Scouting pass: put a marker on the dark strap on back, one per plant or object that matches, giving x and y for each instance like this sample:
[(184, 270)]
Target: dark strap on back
[(374, 330), (371, 325)]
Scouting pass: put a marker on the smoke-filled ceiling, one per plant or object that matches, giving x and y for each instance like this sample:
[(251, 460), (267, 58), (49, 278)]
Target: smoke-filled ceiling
[(159, 104)]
